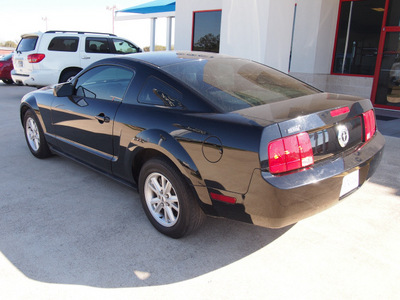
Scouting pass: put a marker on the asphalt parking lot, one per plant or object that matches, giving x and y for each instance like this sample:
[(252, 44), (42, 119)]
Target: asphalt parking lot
[(69, 233)]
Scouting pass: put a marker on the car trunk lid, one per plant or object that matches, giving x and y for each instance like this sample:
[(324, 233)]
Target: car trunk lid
[(336, 124)]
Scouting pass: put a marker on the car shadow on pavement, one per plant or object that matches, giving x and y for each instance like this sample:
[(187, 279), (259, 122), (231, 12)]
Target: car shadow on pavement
[(79, 227)]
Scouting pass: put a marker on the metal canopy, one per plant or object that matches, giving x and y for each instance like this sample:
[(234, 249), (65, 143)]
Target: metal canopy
[(156, 6), (151, 10)]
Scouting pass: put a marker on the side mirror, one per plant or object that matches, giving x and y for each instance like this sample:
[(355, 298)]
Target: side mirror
[(63, 90)]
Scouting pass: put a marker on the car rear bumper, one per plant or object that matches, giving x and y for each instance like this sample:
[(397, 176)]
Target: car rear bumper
[(276, 202), (36, 78)]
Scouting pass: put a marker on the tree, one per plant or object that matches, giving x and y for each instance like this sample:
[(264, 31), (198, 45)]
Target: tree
[(9, 44), (208, 43)]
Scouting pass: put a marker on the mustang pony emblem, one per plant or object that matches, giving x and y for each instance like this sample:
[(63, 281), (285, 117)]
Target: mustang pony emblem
[(343, 135)]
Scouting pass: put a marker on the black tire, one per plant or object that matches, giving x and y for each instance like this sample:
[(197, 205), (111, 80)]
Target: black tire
[(68, 75), (34, 136), (175, 211), (8, 81)]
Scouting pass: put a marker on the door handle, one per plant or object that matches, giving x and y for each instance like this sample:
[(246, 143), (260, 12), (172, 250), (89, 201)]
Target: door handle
[(86, 57), (102, 118)]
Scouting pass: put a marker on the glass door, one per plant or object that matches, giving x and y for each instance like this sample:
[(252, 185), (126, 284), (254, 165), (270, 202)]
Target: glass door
[(386, 87)]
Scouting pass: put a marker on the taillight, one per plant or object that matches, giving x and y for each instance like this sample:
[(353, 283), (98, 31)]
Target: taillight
[(35, 58), (1, 64), (340, 111), (369, 125), (290, 153)]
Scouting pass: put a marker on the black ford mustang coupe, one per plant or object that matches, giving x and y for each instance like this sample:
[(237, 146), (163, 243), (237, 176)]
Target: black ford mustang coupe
[(200, 133)]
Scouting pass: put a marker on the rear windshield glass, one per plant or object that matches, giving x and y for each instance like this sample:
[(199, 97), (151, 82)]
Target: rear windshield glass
[(27, 44), (232, 84)]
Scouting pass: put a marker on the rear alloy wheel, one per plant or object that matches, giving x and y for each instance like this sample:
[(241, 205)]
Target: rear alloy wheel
[(167, 199), (34, 136)]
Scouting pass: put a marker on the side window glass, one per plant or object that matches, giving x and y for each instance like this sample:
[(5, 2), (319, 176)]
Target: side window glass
[(124, 47), (97, 45), (68, 44), (104, 82), (157, 92)]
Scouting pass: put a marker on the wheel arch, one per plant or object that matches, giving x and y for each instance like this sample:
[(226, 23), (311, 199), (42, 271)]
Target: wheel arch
[(26, 104), (68, 69), (157, 143)]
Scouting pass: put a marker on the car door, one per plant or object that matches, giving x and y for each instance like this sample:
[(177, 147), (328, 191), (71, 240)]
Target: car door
[(83, 123), (95, 48)]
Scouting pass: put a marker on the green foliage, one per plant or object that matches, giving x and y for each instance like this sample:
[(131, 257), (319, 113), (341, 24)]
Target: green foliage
[(10, 44), (207, 43), (157, 48)]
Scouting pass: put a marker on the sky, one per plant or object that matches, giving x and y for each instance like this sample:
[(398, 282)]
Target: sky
[(26, 16)]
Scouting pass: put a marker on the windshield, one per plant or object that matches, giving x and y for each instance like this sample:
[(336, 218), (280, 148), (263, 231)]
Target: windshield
[(27, 44), (232, 84)]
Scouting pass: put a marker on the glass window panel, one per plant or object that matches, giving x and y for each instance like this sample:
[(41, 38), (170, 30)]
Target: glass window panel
[(123, 47), (157, 92), (233, 84), (388, 92), (360, 24), (97, 45), (393, 18), (104, 82), (68, 44), (206, 31), (27, 44)]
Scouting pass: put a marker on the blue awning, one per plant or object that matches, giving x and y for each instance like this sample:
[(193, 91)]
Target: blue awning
[(156, 6)]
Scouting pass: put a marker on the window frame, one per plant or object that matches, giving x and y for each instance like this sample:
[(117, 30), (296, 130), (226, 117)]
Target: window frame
[(336, 42), (22, 42), (115, 99), (147, 83), (114, 39), (75, 38), (193, 20), (92, 38)]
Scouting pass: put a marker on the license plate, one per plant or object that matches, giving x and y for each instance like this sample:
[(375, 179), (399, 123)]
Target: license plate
[(20, 63), (350, 182)]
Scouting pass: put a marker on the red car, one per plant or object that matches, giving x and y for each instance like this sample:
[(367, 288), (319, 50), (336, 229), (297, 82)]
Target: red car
[(6, 66)]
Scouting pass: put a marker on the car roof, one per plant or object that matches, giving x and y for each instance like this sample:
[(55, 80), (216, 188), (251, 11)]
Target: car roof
[(162, 59)]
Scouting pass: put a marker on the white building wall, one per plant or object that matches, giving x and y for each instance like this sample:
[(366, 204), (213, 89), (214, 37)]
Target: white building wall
[(261, 30), (184, 19), (253, 29), (244, 28), (313, 46), (314, 36)]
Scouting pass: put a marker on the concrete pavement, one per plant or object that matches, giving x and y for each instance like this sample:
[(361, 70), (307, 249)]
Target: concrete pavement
[(68, 233)]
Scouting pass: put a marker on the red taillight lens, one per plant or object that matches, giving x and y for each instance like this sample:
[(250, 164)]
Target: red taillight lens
[(35, 58), (290, 153), (1, 64), (340, 111), (369, 124)]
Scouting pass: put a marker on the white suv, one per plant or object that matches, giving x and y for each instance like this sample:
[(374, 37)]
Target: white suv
[(52, 57)]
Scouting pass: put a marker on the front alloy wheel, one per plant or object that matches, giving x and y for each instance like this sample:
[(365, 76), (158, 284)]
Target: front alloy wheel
[(34, 136)]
